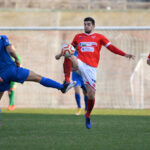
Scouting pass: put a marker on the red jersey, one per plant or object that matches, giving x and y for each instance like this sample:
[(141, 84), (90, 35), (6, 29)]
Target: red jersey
[(89, 46), (149, 56)]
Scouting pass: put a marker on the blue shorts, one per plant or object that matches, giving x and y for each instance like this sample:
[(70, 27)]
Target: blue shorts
[(12, 73), (77, 77)]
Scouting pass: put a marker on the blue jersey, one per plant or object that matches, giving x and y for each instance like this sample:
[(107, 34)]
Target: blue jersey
[(8, 69), (5, 58)]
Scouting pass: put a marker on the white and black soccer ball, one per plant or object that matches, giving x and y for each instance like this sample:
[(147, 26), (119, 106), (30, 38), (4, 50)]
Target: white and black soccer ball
[(68, 50)]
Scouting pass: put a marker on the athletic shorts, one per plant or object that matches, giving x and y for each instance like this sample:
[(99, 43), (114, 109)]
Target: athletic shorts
[(12, 73), (77, 77), (88, 74)]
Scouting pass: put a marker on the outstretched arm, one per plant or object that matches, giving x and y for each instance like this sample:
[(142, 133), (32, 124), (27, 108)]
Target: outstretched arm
[(12, 51), (115, 50), (58, 56), (148, 60)]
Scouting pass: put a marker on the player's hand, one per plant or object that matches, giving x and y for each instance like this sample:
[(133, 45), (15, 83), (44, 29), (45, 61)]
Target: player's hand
[(148, 61), (17, 63), (57, 57), (129, 56)]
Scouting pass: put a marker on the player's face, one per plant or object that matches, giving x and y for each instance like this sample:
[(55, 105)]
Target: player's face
[(88, 27)]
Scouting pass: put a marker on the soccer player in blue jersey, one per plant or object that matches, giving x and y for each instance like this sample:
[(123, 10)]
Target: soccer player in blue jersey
[(11, 71), (79, 84)]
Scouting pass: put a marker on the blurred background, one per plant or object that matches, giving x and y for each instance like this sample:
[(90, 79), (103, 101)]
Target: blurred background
[(120, 83)]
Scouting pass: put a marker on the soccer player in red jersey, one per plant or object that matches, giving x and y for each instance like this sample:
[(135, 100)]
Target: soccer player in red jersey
[(148, 60), (89, 45)]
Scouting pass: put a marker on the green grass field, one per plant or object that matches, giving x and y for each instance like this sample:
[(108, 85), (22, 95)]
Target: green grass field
[(60, 129)]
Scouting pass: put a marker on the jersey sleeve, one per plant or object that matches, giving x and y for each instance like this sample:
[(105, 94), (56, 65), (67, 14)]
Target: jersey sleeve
[(5, 40), (115, 50), (104, 41), (74, 42), (149, 56)]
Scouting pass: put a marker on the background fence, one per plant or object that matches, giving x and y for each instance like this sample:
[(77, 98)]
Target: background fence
[(38, 49), (76, 4)]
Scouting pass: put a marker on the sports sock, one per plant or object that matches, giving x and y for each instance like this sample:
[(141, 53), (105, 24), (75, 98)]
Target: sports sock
[(90, 106), (51, 83), (67, 69), (85, 101), (78, 99), (11, 97)]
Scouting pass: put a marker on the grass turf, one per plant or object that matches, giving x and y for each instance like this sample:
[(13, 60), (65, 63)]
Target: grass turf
[(60, 129)]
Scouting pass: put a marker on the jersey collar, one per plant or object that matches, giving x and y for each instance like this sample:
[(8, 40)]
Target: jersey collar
[(89, 34)]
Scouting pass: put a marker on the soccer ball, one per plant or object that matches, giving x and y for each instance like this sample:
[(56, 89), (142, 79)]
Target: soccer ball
[(68, 50)]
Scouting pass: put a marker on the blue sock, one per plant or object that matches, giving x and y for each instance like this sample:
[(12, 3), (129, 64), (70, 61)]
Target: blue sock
[(77, 96), (85, 101), (51, 83)]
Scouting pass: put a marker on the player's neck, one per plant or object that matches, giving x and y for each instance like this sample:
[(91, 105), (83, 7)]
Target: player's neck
[(89, 33)]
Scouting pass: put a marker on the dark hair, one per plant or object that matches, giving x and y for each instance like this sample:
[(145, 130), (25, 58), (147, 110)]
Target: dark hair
[(90, 19)]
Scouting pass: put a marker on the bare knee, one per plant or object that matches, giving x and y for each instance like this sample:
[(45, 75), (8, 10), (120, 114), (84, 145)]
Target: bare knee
[(34, 77), (91, 96), (74, 62), (90, 92), (84, 93), (77, 89)]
